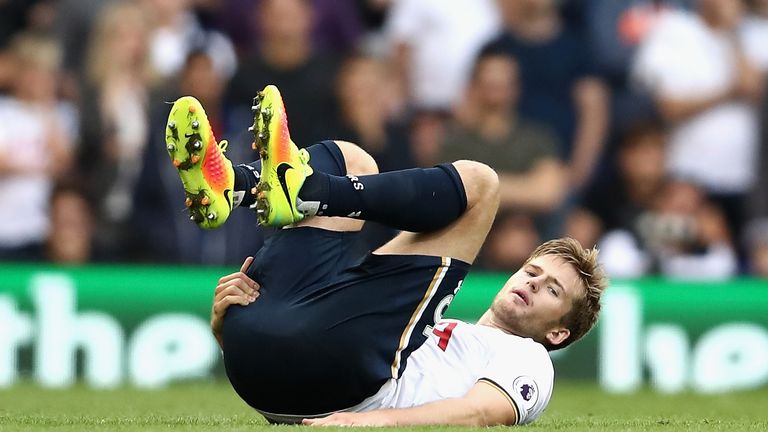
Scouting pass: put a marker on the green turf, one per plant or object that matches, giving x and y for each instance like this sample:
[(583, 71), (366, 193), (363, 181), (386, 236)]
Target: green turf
[(214, 406)]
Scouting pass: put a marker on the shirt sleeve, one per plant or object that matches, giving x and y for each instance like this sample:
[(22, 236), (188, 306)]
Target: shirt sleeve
[(662, 64), (523, 373), (403, 23), (544, 142), (584, 64)]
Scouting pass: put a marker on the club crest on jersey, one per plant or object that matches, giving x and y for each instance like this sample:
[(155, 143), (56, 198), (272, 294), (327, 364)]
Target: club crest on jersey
[(527, 391), (526, 387)]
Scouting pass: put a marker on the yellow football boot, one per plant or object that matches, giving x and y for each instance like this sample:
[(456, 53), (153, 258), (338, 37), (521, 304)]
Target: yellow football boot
[(205, 172), (283, 166)]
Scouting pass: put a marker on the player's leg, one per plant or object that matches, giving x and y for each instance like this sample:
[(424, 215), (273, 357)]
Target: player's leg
[(372, 316), (369, 318), (464, 237), (290, 188), (446, 210), (307, 307), (214, 187), (361, 324), (358, 163), (205, 172), (323, 254), (264, 348), (336, 157), (433, 200)]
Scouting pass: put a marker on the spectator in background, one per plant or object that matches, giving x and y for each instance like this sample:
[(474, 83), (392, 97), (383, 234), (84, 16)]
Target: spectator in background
[(374, 126), (682, 236), (285, 57), (16, 16), (756, 241), (70, 239), (688, 235), (652, 224), (512, 236), (337, 24), (36, 135), (115, 121), (756, 234), (614, 31), (373, 14), (13, 18), (159, 223), (612, 209), (434, 44), (427, 134), (532, 180), (368, 117), (73, 23), (559, 86), (706, 88), (176, 32), (754, 33)]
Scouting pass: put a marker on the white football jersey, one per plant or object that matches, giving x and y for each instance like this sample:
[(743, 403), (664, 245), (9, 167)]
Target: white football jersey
[(457, 355)]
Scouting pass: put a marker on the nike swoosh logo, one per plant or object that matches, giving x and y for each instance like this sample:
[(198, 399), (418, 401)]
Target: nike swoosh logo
[(227, 196), (281, 170)]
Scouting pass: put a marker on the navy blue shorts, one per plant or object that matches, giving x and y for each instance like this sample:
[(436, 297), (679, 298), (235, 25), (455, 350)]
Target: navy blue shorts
[(331, 326)]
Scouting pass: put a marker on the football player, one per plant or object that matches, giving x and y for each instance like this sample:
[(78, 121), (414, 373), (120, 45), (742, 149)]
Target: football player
[(313, 331)]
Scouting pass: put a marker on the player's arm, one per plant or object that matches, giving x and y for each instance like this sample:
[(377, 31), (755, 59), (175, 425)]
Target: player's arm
[(591, 97), (748, 86), (235, 288), (542, 188), (676, 110), (483, 405)]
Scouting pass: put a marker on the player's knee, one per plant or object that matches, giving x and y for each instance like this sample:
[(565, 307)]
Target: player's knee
[(358, 161), (480, 181)]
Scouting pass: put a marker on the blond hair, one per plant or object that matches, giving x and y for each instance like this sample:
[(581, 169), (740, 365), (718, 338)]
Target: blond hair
[(35, 49), (585, 309), (100, 60)]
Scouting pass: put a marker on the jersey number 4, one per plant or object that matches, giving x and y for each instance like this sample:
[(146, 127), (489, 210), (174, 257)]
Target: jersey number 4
[(444, 335)]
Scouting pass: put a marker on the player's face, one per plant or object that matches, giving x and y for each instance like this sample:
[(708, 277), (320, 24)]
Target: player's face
[(536, 298)]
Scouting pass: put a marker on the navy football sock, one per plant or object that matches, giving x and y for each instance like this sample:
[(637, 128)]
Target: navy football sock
[(324, 156), (246, 178), (418, 200)]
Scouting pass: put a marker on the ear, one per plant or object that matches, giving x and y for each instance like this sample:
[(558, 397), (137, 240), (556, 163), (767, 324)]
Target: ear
[(558, 335)]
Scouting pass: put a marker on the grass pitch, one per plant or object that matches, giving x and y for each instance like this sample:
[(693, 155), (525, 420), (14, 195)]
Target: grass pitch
[(215, 407)]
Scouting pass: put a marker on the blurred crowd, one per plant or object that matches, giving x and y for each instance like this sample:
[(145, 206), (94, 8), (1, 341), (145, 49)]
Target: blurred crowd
[(634, 125)]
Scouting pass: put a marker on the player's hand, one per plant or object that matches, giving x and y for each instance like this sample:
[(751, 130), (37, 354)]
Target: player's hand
[(371, 418), (235, 288)]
